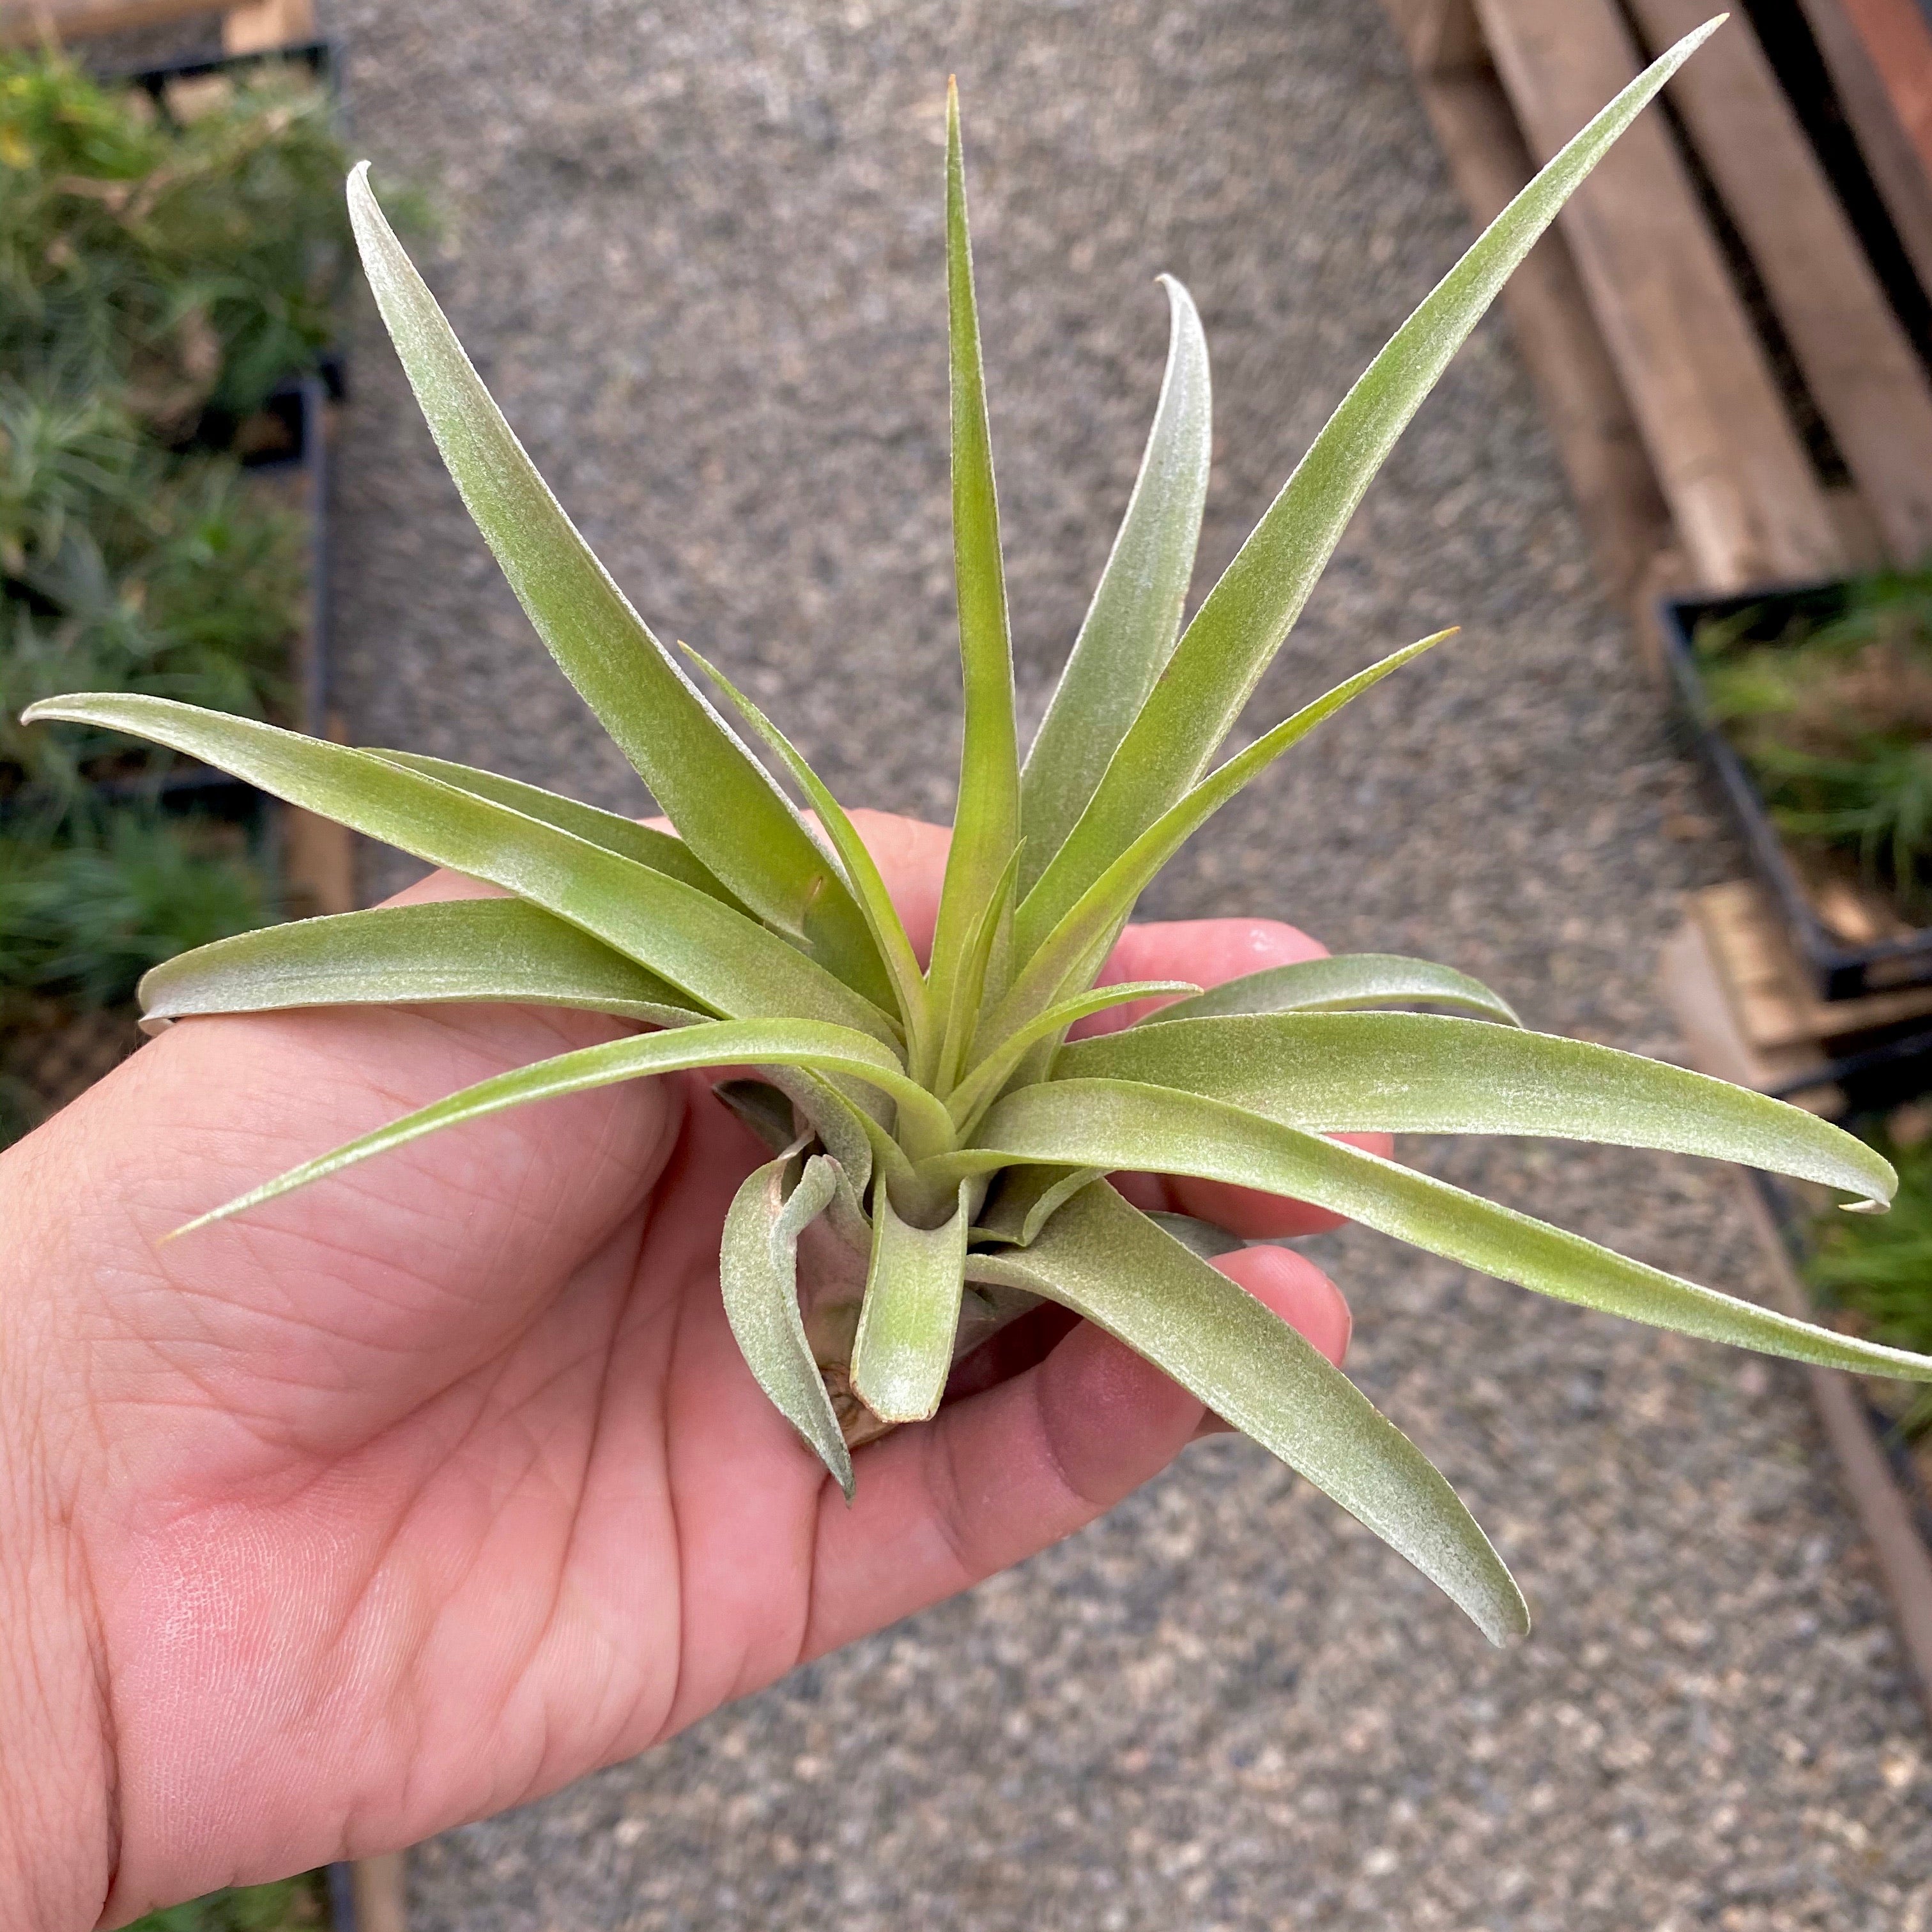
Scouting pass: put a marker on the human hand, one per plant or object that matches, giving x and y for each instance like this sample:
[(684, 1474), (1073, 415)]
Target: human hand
[(420, 1493)]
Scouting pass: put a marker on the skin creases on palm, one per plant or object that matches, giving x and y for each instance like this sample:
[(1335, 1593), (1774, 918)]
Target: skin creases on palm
[(938, 1127)]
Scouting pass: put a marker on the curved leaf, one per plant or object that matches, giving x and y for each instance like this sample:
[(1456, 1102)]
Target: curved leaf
[(1116, 1124), (1024, 1198), (1340, 982), (721, 799), (1134, 618), (1197, 1236), (882, 916), (984, 1081), (985, 824), (757, 1264), (797, 1043), (966, 991), (1413, 1073), (1073, 950), (850, 1133), (1241, 624), (719, 957), (911, 1316), (625, 836), (1110, 1264), (493, 949)]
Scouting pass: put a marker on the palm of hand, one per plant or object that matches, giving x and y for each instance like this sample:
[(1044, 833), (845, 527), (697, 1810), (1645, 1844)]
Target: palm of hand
[(423, 1492)]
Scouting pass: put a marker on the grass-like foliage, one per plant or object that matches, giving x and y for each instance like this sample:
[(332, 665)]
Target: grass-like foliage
[(124, 568), (1834, 719), (83, 916), (158, 275), (191, 263), (936, 1118), (1878, 1269), (289, 1905)]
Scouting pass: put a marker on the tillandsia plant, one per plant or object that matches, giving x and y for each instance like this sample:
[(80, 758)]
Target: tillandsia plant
[(932, 1127)]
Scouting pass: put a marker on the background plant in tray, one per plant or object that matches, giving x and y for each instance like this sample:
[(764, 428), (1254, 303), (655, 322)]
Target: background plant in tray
[(1876, 1271), (1832, 716), (189, 263), (161, 272)]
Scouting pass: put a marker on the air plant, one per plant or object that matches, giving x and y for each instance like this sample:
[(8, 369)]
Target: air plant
[(934, 1126)]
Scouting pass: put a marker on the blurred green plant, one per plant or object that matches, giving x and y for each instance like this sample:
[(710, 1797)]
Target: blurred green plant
[(183, 264), (161, 270), (284, 1906), (1878, 1275), (1833, 718), (1878, 1269), (128, 570), (82, 918)]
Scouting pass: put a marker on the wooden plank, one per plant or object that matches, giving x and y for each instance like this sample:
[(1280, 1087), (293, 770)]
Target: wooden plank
[(1622, 510), (1862, 372), (379, 1887), (1898, 38), (1714, 1034), (1440, 36), (1747, 506), (1770, 990), (1896, 171), (26, 20), (260, 24)]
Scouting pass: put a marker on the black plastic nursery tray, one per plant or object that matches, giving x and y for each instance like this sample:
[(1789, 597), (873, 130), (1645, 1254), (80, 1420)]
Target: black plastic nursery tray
[(1843, 969), (321, 57)]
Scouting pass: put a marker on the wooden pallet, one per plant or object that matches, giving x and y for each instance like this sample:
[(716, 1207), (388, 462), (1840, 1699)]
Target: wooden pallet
[(1775, 997), (251, 27), (1868, 67), (1688, 468)]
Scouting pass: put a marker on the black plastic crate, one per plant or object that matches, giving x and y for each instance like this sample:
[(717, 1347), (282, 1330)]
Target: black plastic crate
[(1841, 970)]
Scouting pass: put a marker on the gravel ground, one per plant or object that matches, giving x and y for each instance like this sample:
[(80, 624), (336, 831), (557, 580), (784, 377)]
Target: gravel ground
[(696, 251)]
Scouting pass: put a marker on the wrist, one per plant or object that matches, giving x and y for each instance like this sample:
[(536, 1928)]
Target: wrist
[(57, 1835)]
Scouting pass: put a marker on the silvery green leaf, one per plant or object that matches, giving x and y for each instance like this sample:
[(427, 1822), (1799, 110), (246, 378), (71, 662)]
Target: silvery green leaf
[(985, 824), (1197, 1236), (807, 1044), (966, 990), (1024, 1198), (1069, 955), (1341, 982), (757, 1264), (984, 1081), (1110, 1264), (862, 873), (1115, 1124), (718, 957), (910, 1316), (1417, 1073), (1134, 618), (1241, 624), (625, 836), (734, 818), (490, 949), (850, 1132)]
